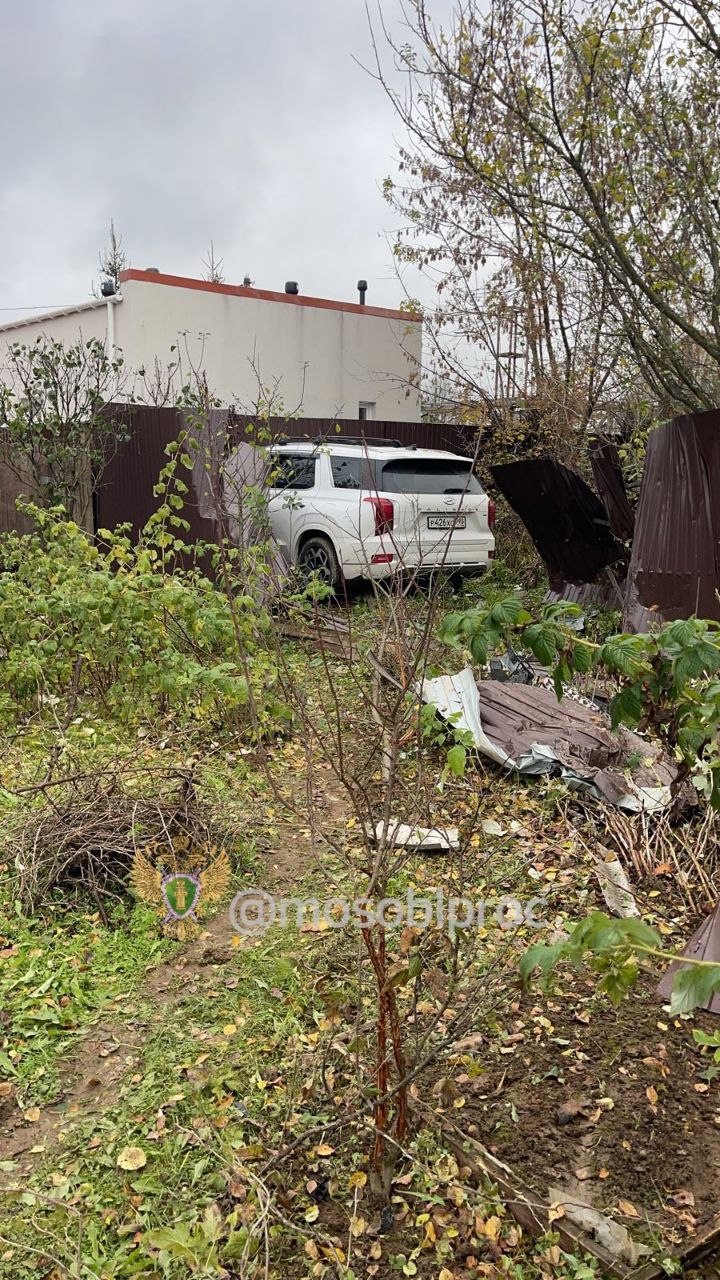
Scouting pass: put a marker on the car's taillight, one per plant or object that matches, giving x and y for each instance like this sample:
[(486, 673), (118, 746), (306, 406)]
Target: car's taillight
[(384, 514), (491, 514)]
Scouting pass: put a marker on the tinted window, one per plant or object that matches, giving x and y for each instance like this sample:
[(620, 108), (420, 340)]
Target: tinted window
[(409, 475), (350, 473), (293, 471)]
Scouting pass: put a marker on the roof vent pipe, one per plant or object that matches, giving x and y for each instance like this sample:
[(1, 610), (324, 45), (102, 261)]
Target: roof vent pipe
[(153, 270), (291, 286), (247, 283), (362, 290)]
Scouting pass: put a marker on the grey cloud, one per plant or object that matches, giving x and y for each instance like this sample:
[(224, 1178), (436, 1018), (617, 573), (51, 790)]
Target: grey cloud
[(247, 121)]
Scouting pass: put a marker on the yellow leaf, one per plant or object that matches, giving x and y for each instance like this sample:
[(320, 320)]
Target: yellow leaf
[(446, 1275), (627, 1208), (556, 1211), (132, 1158), (358, 1227), (312, 1250), (651, 1095), (229, 1029), (357, 1179), (312, 1214), (32, 1114), (325, 1150), (491, 1228)]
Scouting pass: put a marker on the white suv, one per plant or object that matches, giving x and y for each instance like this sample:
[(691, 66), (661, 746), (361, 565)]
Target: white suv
[(349, 508)]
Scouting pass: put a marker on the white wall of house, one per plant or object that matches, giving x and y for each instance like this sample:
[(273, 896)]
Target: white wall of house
[(88, 320), (319, 358)]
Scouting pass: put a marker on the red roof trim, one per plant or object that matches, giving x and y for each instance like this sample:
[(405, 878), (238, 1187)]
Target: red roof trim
[(266, 295)]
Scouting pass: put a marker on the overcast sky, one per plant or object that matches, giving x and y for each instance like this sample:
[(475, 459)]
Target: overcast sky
[(247, 122)]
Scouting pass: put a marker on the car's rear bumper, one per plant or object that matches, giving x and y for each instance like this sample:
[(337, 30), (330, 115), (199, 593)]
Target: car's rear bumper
[(468, 559)]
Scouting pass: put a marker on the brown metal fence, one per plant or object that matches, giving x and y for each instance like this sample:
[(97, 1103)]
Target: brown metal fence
[(125, 491)]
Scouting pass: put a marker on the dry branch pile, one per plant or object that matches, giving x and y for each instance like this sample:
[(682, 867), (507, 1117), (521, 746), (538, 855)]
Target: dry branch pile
[(83, 833)]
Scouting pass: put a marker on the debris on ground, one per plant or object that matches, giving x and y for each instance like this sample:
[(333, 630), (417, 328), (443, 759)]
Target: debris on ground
[(704, 945), (329, 635), (403, 835), (615, 887), (525, 728), (571, 1201)]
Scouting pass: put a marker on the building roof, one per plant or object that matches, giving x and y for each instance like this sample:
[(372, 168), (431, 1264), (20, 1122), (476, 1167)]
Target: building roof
[(266, 295), (52, 315)]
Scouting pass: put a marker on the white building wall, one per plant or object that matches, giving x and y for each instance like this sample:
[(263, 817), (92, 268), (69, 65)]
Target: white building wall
[(86, 321), (318, 358)]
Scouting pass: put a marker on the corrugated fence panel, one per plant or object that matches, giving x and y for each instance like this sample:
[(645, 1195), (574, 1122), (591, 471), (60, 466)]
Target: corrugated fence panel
[(125, 493)]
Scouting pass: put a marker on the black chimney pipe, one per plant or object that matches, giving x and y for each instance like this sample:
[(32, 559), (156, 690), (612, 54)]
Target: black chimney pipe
[(291, 286), (362, 289)]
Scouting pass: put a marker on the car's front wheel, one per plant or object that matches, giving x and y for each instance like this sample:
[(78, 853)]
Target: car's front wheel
[(317, 558)]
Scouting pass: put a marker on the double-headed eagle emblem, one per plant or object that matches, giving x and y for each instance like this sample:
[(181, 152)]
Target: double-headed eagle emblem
[(181, 885)]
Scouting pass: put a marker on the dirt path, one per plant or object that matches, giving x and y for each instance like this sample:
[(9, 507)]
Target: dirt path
[(112, 1047)]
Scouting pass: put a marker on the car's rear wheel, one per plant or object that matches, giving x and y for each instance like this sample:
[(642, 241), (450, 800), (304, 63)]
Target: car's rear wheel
[(317, 559)]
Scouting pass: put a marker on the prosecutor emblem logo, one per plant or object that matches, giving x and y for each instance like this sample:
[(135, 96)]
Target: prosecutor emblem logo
[(181, 884)]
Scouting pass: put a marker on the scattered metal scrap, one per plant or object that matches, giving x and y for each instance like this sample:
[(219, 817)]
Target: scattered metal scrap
[(610, 484), (675, 564), (565, 519), (329, 635), (592, 1235), (703, 945), (525, 728), (402, 835)]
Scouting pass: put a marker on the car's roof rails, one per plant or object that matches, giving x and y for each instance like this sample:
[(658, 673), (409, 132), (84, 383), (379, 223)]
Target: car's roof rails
[(376, 441)]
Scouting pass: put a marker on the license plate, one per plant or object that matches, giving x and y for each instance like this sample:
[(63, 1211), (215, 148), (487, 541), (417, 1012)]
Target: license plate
[(446, 522)]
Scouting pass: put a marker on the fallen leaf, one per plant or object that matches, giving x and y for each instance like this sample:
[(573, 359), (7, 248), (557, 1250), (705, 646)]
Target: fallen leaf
[(651, 1095), (491, 1228), (573, 1109), (32, 1114), (627, 1208), (132, 1158)]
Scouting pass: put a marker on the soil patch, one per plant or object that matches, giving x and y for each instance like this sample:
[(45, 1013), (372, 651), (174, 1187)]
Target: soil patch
[(610, 1099)]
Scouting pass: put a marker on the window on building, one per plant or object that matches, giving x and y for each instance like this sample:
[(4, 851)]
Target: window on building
[(366, 410), (294, 471)]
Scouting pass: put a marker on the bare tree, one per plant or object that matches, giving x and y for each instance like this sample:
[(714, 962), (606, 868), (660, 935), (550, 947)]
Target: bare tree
[(213, 267), (560, 181)]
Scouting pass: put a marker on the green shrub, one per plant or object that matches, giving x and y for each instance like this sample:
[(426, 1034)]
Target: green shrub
[(121, 624)]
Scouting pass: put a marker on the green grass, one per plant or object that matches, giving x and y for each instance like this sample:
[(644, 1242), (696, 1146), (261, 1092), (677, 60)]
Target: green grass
[(60, 969)]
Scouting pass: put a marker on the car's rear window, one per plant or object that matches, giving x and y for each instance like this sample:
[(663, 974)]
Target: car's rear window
[(410, 475)]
